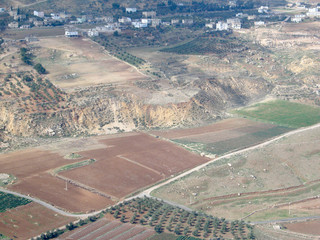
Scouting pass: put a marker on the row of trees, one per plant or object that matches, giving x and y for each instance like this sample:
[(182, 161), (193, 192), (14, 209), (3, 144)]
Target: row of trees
[(166, 218), (27, 58)]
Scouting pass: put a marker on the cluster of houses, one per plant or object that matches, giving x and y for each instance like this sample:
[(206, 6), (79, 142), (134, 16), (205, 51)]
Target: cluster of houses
[(148, 19)]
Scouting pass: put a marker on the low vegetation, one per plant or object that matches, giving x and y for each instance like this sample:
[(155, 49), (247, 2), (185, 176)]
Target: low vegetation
[(8, 201), (33, 93), (189, 225), (119, 52), (220, 43), (74, 165), (283, 113)]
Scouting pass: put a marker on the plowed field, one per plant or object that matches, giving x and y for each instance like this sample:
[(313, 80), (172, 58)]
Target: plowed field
[(30, 220), (106, 229)]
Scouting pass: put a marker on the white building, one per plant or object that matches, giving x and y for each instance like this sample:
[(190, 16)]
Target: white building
[(38, 23), (263, 9), (131, 10), (175, 21), (13, 25), (146, 20), (93, 33), (222, 26), (234, 23), (150, 14), (38, 14), (139, 25), (55, 16), (155, 22), (259, 23), (210, 25), (124, 20), (71, 33), (242, 15), (313, 12), (187, 21), (232, 3), (298, 18)]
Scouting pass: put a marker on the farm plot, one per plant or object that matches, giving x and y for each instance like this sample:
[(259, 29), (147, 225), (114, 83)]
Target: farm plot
[(283, 172), (107, 169), (129, 163), (308, 227), (29, 220), (283, 113), (106, 229), (59, 193), (8, 201), (73, 63), (224, 136), (32, 167)]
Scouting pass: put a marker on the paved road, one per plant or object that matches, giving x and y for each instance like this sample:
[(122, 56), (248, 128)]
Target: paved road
[(49, 206), (147, 192), (287, 220)]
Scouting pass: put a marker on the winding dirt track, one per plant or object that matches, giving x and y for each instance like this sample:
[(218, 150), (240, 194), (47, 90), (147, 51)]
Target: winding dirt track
[(148, 191)]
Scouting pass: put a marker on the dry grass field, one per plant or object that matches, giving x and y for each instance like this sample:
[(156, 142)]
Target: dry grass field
[(73, 63), (260, 179), (30, 220)]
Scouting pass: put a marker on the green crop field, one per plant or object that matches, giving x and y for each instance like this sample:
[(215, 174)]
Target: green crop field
[(283, 113), (8, 201), (233, 144)]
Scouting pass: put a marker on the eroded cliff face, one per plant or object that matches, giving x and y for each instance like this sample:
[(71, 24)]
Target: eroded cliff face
[(98, 110)]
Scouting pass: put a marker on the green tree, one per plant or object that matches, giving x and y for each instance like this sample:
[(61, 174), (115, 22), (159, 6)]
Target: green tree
[(40, 69), (158, 228)]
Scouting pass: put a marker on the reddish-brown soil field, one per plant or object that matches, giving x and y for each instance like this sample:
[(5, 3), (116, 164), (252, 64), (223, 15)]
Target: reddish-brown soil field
[(221, 131), (127, 164), (106, 229), (30, 162), (309, 227), (131, 233), (30, 220), (52, 190), (146, 234), (85, 230)]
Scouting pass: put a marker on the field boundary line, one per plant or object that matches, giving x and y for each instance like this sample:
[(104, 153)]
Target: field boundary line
[(147, 192), (86, 187), (139, 164), (49, 206)]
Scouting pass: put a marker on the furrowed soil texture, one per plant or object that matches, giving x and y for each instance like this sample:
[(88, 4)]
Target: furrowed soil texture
[(30, 220), (106, 229), (308, 227), (32, 167), (282, 172), (108, 168), (126, 164), (224, 136)]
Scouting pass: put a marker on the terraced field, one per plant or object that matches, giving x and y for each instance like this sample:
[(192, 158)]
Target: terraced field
[(106, 229)]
